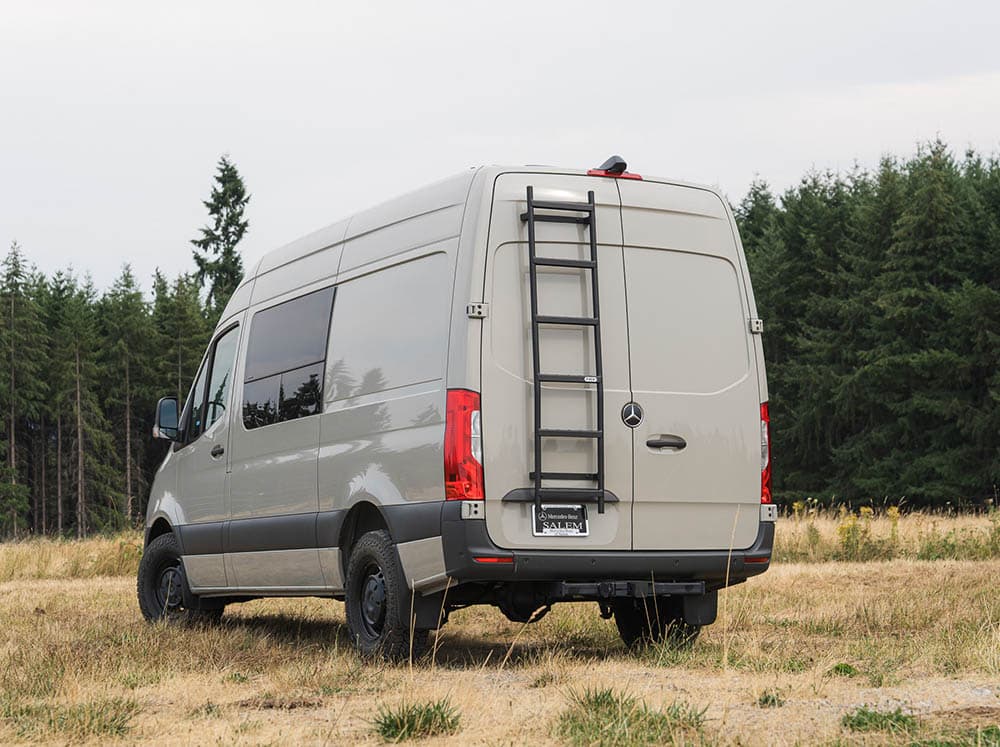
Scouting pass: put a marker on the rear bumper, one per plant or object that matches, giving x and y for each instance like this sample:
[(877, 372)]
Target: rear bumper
[(464, 540)]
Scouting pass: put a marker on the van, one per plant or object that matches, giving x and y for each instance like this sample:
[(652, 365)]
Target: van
[(514, 387)]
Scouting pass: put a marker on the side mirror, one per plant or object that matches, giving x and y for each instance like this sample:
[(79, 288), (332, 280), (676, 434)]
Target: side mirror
[(165, 425)]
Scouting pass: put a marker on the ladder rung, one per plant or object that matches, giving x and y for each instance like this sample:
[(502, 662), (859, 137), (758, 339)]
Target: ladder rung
[(565, 475), (580, 321), (587, 264), (556, 219), (570, 378), (555, 205), (567, 433)]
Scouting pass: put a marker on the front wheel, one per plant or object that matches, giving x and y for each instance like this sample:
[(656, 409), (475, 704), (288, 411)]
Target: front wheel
[(160, 585), (377, 600), (642, 622)]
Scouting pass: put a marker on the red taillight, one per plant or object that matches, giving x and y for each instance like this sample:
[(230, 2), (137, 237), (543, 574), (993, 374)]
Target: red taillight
[(463, 447), (493, 558), (765, 454), (613, 175)]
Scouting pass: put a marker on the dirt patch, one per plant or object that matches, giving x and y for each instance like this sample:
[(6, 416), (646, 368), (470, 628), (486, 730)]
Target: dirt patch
[(972, 716), (279, 703)]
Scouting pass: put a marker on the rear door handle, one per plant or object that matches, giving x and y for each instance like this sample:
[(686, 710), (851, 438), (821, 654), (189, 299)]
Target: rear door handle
[(217, 451), (666, 442)]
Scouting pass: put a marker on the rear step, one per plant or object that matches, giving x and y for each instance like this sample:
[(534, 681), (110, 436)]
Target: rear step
[(589, 208), (576, 495)]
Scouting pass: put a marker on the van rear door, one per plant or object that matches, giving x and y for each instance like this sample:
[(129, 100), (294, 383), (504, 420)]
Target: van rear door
[(507, 376), (697, 446)]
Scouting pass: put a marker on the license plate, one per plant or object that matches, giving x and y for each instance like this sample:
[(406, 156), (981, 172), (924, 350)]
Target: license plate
[(560, 520)]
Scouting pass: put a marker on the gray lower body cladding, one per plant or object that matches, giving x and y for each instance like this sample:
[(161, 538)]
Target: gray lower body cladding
[(465, 540)]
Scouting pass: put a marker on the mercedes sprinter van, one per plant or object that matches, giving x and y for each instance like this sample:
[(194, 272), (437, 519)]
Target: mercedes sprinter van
[(515, 387)]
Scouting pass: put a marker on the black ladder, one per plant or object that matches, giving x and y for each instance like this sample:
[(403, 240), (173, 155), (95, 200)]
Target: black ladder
[(588, 218)]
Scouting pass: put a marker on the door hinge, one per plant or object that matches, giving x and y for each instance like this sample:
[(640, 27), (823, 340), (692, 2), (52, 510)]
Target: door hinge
[(477, 310), (757, 326)]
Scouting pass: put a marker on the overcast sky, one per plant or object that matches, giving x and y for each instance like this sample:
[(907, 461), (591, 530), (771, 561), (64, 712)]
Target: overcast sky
[(113, 115)]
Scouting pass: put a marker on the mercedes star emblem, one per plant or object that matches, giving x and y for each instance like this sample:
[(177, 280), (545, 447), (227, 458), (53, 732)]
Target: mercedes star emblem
[(632, 415)]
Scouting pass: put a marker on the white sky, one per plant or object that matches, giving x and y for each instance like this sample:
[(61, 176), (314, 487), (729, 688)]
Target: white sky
[(113, 115)]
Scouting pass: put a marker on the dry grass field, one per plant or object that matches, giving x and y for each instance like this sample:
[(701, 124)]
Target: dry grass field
[(816, 651)]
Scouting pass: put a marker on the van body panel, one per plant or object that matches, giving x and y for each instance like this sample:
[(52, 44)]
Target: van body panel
[(384, 394), (693, 372), (279, 569), (318, 267), (206, 571), (465, 332), (433, 198), (423, 564), (507, 392), (329, 563)]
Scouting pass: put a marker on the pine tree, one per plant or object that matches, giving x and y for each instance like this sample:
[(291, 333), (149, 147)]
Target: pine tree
[(96, 459), (58, 305), (127, 335), (215, 252), (182, 332), (22, 340)]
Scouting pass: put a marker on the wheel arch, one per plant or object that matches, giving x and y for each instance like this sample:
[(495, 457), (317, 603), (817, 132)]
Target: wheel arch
[(160, 526)]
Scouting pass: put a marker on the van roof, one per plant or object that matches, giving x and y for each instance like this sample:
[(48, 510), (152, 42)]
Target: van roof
[(446, 192)]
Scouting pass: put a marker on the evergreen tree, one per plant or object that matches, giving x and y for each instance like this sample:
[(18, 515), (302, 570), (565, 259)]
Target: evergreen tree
[(215, 252), (127, 333), (96, 459), (57, 306), (182, 332), (22, 340)]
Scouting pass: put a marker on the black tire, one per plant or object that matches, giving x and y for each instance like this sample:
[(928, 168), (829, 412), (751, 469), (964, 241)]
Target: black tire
[(377, 600), (642, 622), (160, 582)]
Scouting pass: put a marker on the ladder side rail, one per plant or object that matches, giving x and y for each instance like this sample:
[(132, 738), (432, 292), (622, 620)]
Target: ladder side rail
[(535, 357), (598, 361)]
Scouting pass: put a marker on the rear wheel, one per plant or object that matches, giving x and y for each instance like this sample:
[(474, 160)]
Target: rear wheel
[(160, 585), (377, 600), (641, 622)]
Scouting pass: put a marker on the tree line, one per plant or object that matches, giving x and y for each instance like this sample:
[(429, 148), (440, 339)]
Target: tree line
[(880, 292), (82, 371)]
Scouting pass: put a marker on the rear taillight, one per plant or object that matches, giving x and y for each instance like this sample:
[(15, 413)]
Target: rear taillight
[(463, 447), (765, 454)]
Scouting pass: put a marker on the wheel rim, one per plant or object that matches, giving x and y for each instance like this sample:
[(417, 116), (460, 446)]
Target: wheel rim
[(168, 588), (373, 601)]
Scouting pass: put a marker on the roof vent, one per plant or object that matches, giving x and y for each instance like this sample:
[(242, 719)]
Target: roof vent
[(613, 167)]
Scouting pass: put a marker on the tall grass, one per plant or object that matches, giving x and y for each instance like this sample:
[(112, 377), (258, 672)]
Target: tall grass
[(36, 559), (806, 533), (811, 534)]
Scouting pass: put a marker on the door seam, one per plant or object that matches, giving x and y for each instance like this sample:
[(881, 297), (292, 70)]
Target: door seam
[(628, 349)]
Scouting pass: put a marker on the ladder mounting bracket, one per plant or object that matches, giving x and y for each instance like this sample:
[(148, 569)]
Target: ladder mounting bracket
[(477, 310)]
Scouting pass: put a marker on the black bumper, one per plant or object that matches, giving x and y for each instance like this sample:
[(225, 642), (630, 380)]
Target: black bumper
[(465, 540)]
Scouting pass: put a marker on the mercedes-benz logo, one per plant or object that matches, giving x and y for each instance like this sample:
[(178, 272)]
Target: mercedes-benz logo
[(632, 415)]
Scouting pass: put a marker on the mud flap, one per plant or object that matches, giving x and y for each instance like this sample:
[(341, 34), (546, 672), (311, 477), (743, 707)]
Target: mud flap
[(701, 609), (193, 602), (427, 611)]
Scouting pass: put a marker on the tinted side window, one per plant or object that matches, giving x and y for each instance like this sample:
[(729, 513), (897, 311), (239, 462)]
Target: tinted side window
[(192, 419), (286, 354), (289, 335), (220, 382)]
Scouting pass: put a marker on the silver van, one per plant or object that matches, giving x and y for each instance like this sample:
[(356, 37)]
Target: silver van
[(516, 387)]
